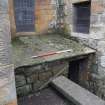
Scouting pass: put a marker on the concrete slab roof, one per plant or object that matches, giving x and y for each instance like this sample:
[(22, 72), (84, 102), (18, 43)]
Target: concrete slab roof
[(26, 47)]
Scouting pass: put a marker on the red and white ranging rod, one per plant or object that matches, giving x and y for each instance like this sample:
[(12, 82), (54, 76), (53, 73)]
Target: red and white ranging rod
[(52, 53)]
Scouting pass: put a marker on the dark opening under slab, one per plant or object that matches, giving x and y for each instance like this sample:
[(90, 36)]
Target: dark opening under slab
[(47, 96), (78, 70)]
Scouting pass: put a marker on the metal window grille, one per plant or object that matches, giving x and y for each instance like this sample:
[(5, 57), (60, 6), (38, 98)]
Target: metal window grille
[(81, 17), (24, 15)]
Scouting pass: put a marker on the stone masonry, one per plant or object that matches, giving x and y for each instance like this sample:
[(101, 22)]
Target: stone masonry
[(75, 93), (95, 39), (7, 79), (32, 73), (30, 79)]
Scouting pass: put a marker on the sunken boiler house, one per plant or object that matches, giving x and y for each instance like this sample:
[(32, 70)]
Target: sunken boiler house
[(49, 49)]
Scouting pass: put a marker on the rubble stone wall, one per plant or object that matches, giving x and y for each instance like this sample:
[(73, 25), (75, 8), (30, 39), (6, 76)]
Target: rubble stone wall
[(30, 79), (7, 79), (95, 39)]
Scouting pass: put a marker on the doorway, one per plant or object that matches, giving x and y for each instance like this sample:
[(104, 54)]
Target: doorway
[(78, 70), (24, 15)]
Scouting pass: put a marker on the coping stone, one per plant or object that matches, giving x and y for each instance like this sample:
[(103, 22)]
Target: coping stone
[(75, 93)]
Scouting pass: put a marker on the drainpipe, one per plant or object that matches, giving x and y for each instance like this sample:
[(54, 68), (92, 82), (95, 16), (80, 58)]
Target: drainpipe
[(60, 13), (7, 78)]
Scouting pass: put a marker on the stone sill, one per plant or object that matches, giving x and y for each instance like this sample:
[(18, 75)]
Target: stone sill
[(98, 25), (80, 35), (92, 35)]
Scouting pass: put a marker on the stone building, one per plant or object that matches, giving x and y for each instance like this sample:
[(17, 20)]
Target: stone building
[(34, 27), (42, 16), (7, 79), (92, 17)]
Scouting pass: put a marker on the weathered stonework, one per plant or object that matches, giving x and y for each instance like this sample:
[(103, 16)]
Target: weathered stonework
[(96, 40), (7, 84), (31, 81), (7, 79), (32, 73)]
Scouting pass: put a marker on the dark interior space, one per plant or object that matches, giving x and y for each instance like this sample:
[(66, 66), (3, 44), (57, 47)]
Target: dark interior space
[(77, 69), (74, 71)]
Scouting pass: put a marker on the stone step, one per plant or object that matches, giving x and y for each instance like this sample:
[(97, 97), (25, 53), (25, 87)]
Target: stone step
[(75, 93)]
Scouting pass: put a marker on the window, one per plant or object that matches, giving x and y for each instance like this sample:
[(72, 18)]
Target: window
[(81, 17), (24, 15)]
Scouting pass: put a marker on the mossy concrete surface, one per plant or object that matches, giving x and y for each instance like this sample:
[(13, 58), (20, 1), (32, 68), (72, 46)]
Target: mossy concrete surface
[(27, 46)]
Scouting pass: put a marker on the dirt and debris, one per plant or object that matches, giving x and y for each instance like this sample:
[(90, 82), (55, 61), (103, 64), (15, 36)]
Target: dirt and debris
[(47, 96)]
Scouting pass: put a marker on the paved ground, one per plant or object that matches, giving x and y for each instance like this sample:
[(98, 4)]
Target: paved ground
[(45, 97)]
